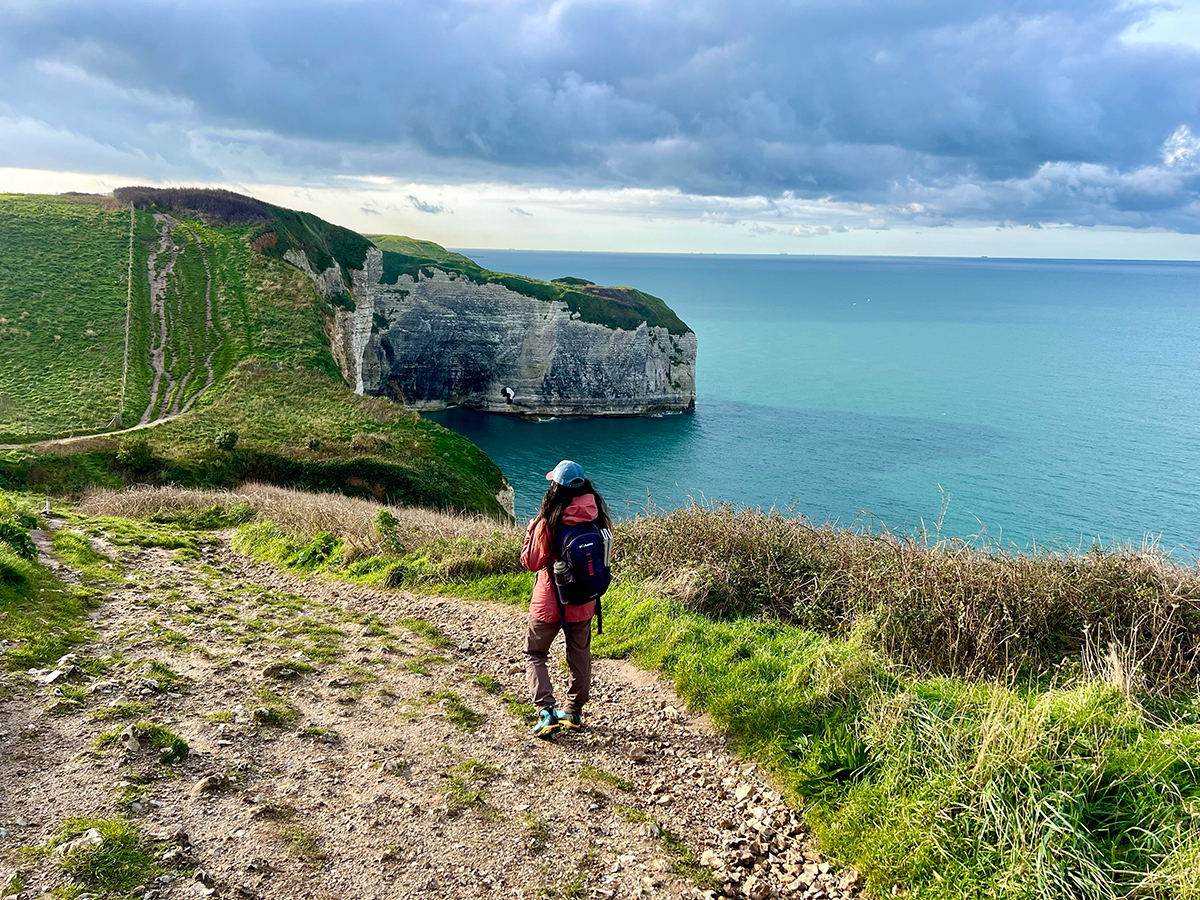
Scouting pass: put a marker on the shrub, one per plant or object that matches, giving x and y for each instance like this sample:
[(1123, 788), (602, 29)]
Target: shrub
[(227, 440), (459, 559), (135, 454), (948, 607), (17, 537)]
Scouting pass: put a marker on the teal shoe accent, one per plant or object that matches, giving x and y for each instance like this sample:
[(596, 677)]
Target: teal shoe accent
[(547, 723), (569, 721)]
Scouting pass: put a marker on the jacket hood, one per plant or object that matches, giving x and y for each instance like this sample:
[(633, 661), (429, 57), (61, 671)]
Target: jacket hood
[(582, 509)]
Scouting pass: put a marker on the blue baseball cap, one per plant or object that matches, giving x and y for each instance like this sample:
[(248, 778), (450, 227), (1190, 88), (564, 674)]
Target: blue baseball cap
[(567, 473)]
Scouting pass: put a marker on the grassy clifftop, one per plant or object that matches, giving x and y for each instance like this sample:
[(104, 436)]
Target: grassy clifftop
[(224, 338), (615, 307)]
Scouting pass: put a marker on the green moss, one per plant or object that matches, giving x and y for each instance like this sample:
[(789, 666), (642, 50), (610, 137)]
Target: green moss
[(303, 843)]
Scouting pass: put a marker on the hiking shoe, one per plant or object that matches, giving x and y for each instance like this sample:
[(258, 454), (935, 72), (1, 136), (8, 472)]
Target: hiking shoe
[(547, 723), (569, 721)]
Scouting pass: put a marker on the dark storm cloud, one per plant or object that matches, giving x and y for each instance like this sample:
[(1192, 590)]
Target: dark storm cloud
[(1019, 111)]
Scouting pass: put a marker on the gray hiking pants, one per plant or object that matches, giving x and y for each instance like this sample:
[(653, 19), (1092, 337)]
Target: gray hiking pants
[(538, 638)]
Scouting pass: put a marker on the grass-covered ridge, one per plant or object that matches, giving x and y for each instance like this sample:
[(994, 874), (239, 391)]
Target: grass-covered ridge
[(1073, 773), (277, 408), (615, 307)]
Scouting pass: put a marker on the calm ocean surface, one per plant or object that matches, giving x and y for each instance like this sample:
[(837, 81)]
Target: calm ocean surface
[(1051, 401)]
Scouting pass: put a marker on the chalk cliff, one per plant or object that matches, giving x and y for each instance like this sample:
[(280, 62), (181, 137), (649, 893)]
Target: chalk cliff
[(432, 335)]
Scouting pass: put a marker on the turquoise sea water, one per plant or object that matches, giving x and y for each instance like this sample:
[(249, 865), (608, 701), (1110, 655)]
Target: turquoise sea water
[(1048, 401)]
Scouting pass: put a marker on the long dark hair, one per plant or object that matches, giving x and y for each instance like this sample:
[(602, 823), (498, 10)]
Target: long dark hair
[(556, 501)]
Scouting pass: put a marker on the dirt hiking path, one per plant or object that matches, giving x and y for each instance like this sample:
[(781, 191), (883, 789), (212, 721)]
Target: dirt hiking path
[(355, 743)]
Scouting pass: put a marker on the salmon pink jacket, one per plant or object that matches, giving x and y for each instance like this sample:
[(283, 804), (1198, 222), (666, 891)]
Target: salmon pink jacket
[(537, 557)]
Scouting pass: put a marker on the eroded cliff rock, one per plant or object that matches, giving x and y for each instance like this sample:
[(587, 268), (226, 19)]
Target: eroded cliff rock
[(435, 338)]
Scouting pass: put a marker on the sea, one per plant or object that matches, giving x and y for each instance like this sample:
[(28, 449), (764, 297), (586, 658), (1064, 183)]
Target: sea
[(1029, 404)]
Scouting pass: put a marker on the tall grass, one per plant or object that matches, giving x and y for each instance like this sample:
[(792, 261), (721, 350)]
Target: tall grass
[(945, 606), (299, 513)]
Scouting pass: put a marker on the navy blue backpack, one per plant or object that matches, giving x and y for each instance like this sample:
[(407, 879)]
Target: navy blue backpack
[(583, 571)]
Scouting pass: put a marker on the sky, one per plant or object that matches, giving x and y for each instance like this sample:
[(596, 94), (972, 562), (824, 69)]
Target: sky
[(917, 127)]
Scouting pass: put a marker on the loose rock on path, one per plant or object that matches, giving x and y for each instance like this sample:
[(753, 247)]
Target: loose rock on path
[(351, 742)]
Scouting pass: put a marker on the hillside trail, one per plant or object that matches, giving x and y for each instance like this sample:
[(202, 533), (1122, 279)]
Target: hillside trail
[(160, 331), (368, 743)]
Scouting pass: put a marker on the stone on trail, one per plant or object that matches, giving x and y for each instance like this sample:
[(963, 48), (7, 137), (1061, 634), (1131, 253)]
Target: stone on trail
[(90, 838), (129, 739), (210, 784), (743, 791)]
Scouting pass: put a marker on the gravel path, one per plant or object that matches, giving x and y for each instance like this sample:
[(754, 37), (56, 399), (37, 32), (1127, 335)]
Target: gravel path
[(347, 742)]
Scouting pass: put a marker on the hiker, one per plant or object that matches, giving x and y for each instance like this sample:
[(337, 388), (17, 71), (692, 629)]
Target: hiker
[(569, 545)]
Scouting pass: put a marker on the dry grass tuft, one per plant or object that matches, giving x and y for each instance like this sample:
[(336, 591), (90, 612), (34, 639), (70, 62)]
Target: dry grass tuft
[(1129, 615), (303, 514)]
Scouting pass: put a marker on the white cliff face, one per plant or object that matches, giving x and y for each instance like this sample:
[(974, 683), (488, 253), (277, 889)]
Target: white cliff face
[(442, 340)]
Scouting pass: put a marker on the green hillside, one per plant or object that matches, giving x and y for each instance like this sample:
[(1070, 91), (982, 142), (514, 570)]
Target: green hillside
[(241, 346)]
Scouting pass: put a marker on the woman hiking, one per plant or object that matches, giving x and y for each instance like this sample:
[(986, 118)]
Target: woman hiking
[(570, 500)]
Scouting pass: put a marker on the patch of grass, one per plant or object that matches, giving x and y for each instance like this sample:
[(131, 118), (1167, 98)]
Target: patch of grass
[(419, 665), (169, 637), (221, 717), (71, 698), (476, 769), (457, 711), (489, 684), (537, 834), (589, 770), (74, 549), (272, 709), (428, 631), (462, 795), (172, 748), (522, 709), (61, 256), (303, 844), (121, 862), (169, 681), (632, 814), (125, 710)]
